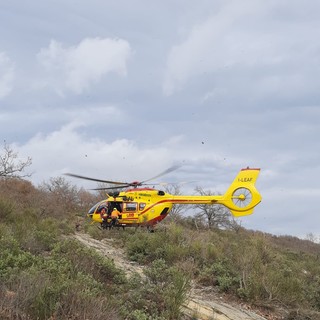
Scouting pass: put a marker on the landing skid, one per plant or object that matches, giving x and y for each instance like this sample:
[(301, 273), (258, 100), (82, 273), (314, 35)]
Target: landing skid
[(109, 226)]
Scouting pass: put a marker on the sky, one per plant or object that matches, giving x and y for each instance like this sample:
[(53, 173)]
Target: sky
[(122, 90)]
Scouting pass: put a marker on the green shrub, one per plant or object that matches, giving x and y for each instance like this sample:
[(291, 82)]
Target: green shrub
[(54, 286), (142, 315), (88, 261), (221, 275), (7, 240), (55, 292), (164, 289), (11, 263), (6, 210)]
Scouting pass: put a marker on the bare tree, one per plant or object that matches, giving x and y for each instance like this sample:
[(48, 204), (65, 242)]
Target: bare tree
[(10, 165), (177, 209), (217, 216), (312, 237), (59, 197)]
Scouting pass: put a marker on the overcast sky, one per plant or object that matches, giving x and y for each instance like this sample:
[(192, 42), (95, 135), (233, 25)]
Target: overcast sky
[(123, 90)]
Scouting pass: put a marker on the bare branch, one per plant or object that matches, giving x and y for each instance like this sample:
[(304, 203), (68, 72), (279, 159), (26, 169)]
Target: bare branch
[(11, 165), (216, 216), (177, 209)]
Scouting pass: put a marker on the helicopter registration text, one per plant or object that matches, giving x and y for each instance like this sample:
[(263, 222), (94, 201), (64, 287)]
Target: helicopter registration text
[(244, 179)]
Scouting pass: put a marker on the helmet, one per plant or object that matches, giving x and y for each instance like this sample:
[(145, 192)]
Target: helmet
[(114, 208)]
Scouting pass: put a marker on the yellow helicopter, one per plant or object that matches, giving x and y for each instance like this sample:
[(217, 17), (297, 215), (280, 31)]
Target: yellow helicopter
[(143, 206)]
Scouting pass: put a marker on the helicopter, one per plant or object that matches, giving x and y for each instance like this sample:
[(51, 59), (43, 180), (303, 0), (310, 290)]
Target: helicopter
[(140, 205)]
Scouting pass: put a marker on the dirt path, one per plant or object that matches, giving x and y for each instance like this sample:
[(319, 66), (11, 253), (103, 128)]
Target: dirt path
[(198, 306)]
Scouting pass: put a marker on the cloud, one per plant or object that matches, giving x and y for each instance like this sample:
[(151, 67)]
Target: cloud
[(244, 46), (7, 70), (69, 150), (209, 46), (76, 68)]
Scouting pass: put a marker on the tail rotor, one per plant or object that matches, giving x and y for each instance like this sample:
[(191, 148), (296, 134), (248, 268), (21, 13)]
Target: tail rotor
[(242, 196)]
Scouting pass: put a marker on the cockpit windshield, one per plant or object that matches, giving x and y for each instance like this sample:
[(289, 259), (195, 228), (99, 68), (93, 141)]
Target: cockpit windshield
[(96, 206), (93, 209)]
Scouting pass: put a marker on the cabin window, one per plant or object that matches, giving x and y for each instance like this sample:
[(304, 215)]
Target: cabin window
[(130, 206), (142, 205)]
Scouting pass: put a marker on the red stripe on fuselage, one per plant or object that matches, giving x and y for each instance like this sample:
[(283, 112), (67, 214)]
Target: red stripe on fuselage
[(156, 220)]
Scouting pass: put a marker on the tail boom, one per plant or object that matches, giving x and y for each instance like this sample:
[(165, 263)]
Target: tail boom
[(240, 198), (242, 195)]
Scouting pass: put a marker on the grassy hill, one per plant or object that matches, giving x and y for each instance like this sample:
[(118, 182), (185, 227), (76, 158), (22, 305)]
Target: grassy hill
[(45, 275)]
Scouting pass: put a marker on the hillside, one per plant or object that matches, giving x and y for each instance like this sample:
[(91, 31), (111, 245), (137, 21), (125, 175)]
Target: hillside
[(246, 269), (47, 273), (198, 304)]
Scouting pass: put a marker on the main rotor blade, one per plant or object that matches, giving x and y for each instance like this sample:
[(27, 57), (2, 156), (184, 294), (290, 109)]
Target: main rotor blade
[(111, 188), (122, 184), (93, 179), (173, 168)]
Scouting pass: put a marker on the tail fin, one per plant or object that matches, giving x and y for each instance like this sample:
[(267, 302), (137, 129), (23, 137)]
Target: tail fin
[(242, 195)]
